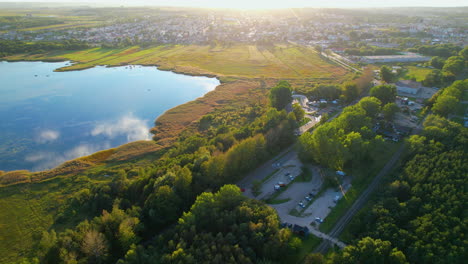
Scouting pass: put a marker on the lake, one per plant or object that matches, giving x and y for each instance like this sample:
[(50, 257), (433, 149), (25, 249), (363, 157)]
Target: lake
[(49, 117)]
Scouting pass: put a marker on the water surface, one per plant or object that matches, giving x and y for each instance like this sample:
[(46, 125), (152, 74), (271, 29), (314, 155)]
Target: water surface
[(49, 117)]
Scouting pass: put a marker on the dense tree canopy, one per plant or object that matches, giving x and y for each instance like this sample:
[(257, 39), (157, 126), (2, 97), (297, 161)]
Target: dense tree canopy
[(299, 113), (386, 74), (226, 227), (370, 251), (281, 95), (422, 211), (447, 101), (346, 140), (385, 93)]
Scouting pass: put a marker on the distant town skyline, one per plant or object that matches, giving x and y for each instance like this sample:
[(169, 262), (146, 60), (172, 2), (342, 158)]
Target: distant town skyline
[(263, 4)]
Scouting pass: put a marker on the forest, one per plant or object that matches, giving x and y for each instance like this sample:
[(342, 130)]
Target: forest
[(421, 211)]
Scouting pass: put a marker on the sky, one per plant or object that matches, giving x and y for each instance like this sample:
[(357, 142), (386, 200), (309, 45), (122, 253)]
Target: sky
[(260, 4)]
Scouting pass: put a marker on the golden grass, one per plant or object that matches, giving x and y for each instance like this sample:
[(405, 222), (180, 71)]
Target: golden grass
[(133, 150), (239, 61), (174, 121), (14, 177), (99, 156)]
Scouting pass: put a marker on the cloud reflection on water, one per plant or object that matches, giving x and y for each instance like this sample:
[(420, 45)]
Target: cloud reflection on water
[(130, 126)]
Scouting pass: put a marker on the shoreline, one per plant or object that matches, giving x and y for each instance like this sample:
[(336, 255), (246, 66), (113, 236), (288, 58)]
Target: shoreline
[(162, 142)]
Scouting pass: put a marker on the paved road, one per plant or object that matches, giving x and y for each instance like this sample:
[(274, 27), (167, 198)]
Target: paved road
[(360, 202)]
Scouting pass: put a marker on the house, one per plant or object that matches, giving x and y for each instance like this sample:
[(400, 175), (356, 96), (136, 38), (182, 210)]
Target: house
[(408, 87)]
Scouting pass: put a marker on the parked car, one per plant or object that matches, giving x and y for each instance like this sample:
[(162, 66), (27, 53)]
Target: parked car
[(308, 198), (277, 165), (291, 177), (311, 194), (301, 204), (337, 198), (281, 184), (277, 187), (318, 219)]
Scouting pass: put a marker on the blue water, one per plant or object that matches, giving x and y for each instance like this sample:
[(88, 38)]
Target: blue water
[(49, 117)]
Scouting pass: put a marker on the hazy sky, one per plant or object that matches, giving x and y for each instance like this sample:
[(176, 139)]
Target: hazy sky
[(267, 3)]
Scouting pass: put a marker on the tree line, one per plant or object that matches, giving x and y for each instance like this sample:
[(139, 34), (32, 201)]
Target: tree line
[(10, 47)]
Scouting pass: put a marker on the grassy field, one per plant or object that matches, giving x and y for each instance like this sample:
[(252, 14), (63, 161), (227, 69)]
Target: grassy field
[(239, 61), (417, 73), (29, 209)]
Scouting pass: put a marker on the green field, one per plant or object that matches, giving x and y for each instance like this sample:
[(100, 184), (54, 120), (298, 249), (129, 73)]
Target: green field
[(417, 73), (239, 61), (27, 211)]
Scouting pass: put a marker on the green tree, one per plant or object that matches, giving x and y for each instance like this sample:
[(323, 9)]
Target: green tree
[(369, 251), (281, 95), (464, 53), (371, 105), (299, 113), (434, 78), (389, 110), (349, 92), (386, 74), (314, 258), (445, 104), (385, 93), (454, 65), (437, 62)]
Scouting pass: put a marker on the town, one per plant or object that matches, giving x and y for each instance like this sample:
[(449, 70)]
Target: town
[(391, 31)]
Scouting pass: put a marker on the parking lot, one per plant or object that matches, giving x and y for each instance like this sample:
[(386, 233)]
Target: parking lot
[(296, 191), (287, 171)]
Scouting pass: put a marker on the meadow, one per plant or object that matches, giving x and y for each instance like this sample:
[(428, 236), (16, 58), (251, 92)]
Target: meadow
[(417, 73), (235, 61)]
